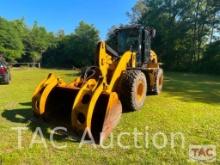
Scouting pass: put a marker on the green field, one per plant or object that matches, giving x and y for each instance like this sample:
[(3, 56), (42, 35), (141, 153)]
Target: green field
[(189, 104)]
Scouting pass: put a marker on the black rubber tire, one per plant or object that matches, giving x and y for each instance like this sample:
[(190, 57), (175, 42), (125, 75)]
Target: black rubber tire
[(159, 82), (128, 90)]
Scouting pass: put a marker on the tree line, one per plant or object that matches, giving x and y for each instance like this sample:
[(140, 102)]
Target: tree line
[(20, 43), (188, 32), (74, 50), (188, 37)]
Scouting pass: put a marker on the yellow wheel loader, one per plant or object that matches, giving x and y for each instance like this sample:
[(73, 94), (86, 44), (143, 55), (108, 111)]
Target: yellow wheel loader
[(118, 82)]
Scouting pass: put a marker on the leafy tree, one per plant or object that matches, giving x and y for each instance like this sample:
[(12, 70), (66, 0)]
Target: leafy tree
[(10, 42), (76, 49), (211, 61), (112, 38), (184, 28), (37, 42), (23, 44), (85, 39)]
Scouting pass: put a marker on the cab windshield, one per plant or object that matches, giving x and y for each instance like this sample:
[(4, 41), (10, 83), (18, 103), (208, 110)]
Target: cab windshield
[(128, 40)]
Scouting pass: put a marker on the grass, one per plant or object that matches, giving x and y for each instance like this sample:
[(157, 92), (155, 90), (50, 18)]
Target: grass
[(189, 104)]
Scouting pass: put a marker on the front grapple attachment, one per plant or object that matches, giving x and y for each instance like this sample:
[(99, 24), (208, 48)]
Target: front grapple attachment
[(90, 102), (79, 105)]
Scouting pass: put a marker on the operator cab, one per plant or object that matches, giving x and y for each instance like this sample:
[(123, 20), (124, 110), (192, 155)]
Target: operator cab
[(135, 38)]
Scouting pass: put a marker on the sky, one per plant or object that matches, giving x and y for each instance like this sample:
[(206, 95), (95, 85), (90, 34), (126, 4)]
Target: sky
[(66, 14)]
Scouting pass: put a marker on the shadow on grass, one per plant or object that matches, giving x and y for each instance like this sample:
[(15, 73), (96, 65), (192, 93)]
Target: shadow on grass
[(193, 88), (26, 104), (74, 74), (25, 116)]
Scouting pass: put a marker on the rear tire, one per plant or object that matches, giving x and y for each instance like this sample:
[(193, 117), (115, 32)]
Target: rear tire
[(159, 82), (132, 90)]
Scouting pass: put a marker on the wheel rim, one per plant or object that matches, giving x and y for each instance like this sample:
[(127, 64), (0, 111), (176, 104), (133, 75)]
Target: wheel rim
[(140, 91)]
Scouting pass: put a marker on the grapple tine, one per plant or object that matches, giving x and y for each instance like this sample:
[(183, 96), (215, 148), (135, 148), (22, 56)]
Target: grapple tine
[(41, 93), (106, 116), (112, 116)]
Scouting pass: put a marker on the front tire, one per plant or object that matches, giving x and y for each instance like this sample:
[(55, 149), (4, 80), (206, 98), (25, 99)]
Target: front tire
[(132, 90)]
